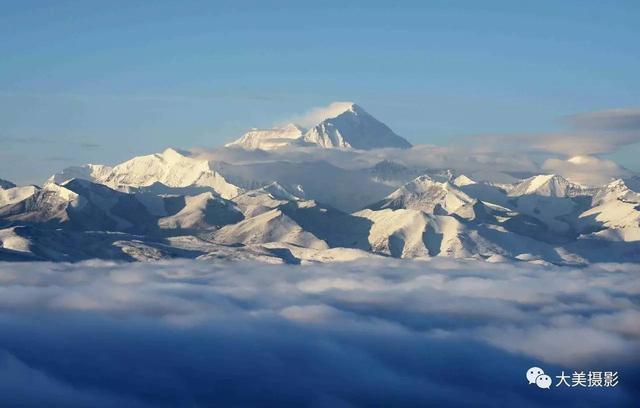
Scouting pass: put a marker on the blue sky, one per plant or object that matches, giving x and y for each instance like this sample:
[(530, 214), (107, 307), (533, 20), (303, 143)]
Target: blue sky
[(102, 81)]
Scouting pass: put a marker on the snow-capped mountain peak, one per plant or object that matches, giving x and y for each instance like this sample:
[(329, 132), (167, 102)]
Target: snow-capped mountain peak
[(354, 128), (462, 181), (277, 191), (551, 185), (425, 194), (61, 191), (16, 194), (269, 139), (89, 172), (349, 126), (170, 168), (617, 190), (171, 155)]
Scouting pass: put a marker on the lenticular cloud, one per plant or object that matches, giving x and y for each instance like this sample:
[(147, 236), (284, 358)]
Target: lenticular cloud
[(385, 333)]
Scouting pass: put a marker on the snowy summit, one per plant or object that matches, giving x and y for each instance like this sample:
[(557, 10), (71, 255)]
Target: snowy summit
[(349, 127)]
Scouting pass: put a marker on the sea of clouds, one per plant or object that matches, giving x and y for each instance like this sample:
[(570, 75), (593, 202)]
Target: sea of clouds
[(383, 333)]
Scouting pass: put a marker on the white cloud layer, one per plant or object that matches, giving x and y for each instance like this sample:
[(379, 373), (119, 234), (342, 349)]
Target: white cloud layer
[(620, 119), (582, 143), (396, 333), (470, 160), (587, 170), (591, 133)]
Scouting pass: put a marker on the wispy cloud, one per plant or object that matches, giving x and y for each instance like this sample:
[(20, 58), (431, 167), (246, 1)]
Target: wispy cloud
[(58, 159), (170, 98), (318, 114), (475, 161), (20, 140), (587, 170), (24, 140), (622, 119), (590, 133), (89, 145)]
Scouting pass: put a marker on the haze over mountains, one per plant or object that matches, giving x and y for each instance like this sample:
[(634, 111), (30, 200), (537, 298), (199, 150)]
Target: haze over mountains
[(273, 206)]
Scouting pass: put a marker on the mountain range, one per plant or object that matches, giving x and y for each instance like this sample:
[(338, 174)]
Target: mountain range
[(177, 204)]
